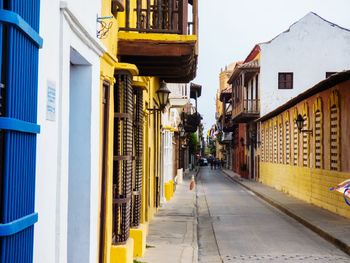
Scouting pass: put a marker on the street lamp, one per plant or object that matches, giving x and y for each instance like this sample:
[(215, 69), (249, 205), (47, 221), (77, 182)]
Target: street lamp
[(181, 130), (300, 124), (163, 96)]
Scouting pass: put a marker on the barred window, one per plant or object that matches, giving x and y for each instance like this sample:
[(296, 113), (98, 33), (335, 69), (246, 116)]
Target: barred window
[(280, 143), (318, 139), (334, 143), (285, 80), (287, 142), (295, 144), (263, 145), (271, 146), (275, 143), (305, 142)]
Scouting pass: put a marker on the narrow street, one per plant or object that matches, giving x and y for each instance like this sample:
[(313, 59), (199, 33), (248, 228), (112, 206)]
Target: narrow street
[(234, 225)]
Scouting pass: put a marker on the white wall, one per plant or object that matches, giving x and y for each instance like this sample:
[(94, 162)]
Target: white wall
[(65, 26), (309, 49)]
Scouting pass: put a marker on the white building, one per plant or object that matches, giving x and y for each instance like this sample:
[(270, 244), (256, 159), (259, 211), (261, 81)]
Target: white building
[(171, 118), (282, 68), (68, 147), (309, 49)]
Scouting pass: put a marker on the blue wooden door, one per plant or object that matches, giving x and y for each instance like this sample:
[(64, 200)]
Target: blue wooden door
[(19, 44)]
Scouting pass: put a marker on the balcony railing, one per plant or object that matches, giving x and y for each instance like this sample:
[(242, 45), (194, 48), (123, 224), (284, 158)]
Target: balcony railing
[(160, 16), (246, 107)]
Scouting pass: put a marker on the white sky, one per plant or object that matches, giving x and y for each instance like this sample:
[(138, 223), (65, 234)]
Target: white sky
[(229, 29)]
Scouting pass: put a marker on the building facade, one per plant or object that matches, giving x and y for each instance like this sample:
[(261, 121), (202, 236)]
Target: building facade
[(224, 145), (94, 165), (307, 162), (278, 70), (68, 148), (286, 71)]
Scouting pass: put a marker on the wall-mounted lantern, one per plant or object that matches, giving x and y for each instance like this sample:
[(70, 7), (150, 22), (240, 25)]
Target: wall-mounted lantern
[(300, 124), (163, 97), (181, 130)]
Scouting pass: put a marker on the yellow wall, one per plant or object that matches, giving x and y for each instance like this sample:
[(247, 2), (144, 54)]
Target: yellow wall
[(303, 180), (108, 62), (151, 150), (308, 184)]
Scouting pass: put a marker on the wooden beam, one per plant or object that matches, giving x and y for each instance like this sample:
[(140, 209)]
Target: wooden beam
[(155, 48)]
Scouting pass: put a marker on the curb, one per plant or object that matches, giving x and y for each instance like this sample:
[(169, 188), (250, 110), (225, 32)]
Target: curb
[(325, 235)]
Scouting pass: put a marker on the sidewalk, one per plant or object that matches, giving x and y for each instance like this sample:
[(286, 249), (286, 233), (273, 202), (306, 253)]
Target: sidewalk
[(334, 228), (172, 233)]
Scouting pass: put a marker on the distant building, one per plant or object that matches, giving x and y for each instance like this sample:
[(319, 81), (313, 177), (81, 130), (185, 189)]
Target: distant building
[(280, 69), (223, 116), (300, 57)]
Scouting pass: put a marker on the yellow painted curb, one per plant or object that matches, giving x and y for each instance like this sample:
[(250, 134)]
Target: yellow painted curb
[(167, 190), (139, 236), (123, 253)]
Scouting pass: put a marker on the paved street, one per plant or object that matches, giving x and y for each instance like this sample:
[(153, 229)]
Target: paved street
[(234, 225), (172, 236)]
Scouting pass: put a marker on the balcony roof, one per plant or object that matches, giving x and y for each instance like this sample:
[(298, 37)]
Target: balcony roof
[(244, 117), (251, 66), (170, 57)]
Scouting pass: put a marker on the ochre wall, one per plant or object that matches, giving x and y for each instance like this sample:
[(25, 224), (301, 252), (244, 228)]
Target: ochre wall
[(308, 183), (108, 62), (151, 150)]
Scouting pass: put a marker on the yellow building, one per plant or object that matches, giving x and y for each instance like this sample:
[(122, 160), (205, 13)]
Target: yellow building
[(223, 114), (308, 160), (147, 42)]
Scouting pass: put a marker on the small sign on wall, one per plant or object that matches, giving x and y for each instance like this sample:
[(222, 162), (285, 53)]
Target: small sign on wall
[(51, 102)]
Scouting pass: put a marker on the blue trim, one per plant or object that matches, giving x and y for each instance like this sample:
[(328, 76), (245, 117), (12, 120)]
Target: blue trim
[(18, 225), (18, 125), (15, 19)]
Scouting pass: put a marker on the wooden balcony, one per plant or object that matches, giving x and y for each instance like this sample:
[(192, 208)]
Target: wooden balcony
[(156, 36), (246, 110), (245, 92)]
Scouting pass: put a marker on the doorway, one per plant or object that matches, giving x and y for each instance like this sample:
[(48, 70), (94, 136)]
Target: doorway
[(79, 166)]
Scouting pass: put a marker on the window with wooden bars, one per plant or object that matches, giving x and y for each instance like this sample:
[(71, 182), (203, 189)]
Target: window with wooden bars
[(285, 80), (318, 140), (122, 157), (287, 142), (271, 144), (280, 143), (334, 138), (295, 143), (305, 142), (263, 144), (275, 146), (138, 152), (267, 144)]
